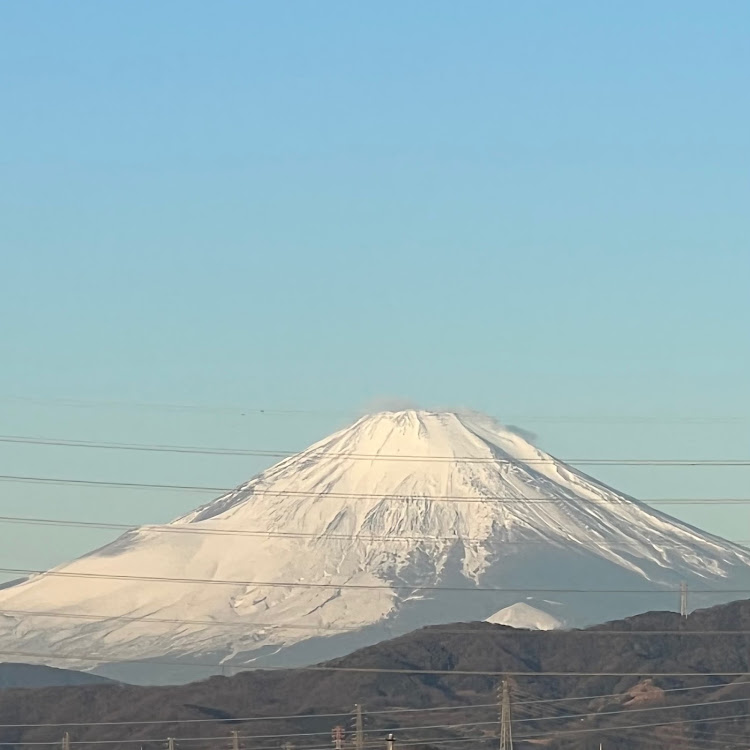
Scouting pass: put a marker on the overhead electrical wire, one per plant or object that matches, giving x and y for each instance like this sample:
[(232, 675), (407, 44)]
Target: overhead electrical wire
[(92, 657), (363, 495), (367, 456), (629, 711), (51, 614), (357, 413), (239, 720), (173, 621), (362, 586), (410, 729), (727, 735), (359, 537), (625, 693), (675, 735), (459, 725), (489, 738), (163, 741), (525, 720), (327, 733), (216, 408), (376, 712), (247, 719), (619, 728)]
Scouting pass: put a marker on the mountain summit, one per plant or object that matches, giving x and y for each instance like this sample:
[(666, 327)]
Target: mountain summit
[(403, 519)]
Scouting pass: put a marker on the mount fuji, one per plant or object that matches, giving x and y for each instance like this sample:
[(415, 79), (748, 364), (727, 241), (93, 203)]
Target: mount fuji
[(401, 520)]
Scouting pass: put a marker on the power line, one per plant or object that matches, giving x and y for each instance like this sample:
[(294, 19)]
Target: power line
[(112, 485), (409, 743), (175, 621), (359, 537), (368, 731), (619, 728), (700, 743), (691, 745), (162, 406), (730, 736), (363, 586), (297, 734), (108, 659), (156, 448), (365, 731), (317, 628), (626, 693), (245, 719), (377, 712), (29, 440), (493, 722), (357, 413), (165, 741), (407, 729), (629, 711), (624, 500)]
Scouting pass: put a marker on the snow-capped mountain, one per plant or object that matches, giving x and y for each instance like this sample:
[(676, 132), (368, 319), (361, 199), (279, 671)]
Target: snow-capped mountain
[(524, 616), (403, 519)]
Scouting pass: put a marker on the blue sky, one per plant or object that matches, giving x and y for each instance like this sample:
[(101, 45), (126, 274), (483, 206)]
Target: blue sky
[(532, 209)]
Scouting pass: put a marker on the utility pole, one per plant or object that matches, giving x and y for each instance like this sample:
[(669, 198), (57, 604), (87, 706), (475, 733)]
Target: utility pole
[(359, 730), (506, 730), (337, 734), (683, 600), (391, 740), (235, 740), (170, 743), (66, 741)]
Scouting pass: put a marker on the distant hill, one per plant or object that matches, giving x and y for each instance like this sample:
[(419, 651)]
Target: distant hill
[(14, 675), (623, 712)]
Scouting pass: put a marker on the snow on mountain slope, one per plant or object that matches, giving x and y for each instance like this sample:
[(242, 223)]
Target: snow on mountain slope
[(521, 615), (401, 520)]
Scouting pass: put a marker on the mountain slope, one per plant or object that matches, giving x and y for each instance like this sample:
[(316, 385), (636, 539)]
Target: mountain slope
[(403, 519), (14, 675)]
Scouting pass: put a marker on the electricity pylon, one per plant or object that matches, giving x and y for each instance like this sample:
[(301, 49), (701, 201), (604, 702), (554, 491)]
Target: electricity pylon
[(506, 729)]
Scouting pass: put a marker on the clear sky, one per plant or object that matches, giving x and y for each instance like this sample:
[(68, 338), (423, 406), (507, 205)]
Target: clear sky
[(535, 209)]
